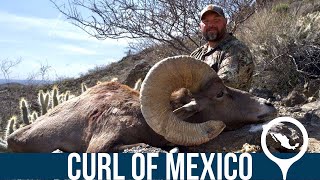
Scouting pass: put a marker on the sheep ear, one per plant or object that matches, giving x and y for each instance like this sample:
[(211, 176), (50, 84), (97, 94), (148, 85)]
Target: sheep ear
[(187, 110)]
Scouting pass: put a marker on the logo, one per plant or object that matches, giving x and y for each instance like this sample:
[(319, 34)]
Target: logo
[(284, 164)]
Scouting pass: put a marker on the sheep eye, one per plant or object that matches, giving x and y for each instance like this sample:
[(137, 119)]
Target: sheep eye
[(220, 94)]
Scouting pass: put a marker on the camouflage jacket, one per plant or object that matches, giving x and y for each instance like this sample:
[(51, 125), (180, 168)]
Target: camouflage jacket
[(232, 61)]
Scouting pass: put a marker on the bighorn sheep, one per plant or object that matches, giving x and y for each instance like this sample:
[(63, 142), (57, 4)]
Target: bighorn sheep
[(110, 116)]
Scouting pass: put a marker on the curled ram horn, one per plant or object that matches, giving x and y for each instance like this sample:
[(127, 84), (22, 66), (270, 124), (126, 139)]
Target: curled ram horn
[(165, 77)]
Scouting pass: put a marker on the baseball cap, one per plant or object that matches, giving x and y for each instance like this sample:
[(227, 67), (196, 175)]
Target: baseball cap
[(213, 8)]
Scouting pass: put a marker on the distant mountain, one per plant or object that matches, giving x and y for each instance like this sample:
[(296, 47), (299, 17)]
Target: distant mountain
[(24, 82)]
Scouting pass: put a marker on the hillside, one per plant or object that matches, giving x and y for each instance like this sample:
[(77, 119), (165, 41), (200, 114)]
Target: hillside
[(128, 70)]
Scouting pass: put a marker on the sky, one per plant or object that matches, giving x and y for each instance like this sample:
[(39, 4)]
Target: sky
[(38, 34)]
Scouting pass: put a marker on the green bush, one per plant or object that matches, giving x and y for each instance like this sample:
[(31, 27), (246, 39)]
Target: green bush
[(281, 8)]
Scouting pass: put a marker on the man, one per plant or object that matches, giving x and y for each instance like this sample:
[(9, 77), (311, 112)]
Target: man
[(229, 57)]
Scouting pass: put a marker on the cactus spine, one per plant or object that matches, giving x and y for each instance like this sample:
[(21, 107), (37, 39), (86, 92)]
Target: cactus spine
[(43, 99), (16, 124), (10, 125), (55, 96), (24, 111), (62, 98), (34, 116), (67, 96), (83, 87)]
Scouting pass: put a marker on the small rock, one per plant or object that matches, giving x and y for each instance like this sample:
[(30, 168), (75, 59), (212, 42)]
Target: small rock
[(311, 106), (312, 118), (311, 99), (294, 98), (278, 97), (57, 151), (247, 148), (174, 150), (294, 109), (262, 92), (311, 88), (146, 149)]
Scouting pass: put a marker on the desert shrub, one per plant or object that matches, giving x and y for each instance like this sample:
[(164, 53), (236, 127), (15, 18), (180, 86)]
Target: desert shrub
[(278, 41), (281, 8)]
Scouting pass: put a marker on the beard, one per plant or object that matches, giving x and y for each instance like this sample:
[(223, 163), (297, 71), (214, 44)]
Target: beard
[(213, 35), (210, 36)]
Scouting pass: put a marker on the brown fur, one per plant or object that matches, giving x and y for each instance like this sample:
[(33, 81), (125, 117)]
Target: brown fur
[(107, 118)]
